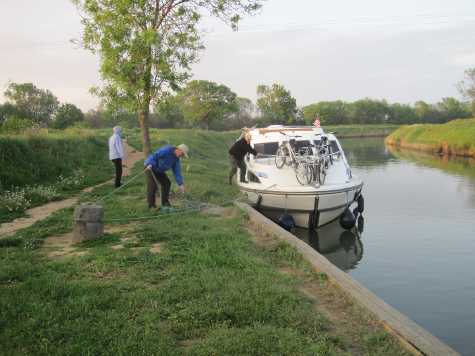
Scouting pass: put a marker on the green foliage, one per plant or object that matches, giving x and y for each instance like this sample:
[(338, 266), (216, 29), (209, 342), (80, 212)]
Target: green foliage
[(276, 104), (457, 135), (147, 47), (67, 115), (169, 113), (206, 103), (370, 111), (467, 87), (32, 103), (14, 125), (44, 167), (330, 112)]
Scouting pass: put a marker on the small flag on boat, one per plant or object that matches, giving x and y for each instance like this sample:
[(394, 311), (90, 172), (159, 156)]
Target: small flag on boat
[(316, 123)]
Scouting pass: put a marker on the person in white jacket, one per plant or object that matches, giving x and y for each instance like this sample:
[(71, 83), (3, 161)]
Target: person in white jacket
[(116, 153)]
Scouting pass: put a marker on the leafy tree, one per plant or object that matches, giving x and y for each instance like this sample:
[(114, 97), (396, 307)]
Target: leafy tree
[(67, 115), (467, 87), (7, 110), (33, 103), (402, 114), (147, 46), (169, 113), (276, 104), (207, 104), (369, 111), (330, 112), (451, 108)]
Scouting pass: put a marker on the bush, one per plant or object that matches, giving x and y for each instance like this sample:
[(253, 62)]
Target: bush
[(14, 201)]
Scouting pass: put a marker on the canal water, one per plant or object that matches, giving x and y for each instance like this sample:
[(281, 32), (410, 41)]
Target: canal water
[(416, 249)]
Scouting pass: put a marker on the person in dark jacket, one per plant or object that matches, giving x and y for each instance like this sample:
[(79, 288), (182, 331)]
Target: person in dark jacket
[(236, 157), (165, 158)]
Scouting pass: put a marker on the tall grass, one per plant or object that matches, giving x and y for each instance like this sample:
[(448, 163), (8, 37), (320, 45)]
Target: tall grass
[(42, 165)]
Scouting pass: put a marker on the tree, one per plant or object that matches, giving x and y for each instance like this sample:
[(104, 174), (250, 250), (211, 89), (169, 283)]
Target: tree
[(276, 104), (467, 87), (147, 46), (330, 112), (7, 110), (33, 103), (67, 115), (369, 111), (451, 108), (402, 114), (206, 103), (169, 113)]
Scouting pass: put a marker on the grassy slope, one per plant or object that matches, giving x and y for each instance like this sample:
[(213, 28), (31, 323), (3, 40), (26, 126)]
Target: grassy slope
[(210, 291), (40, 158), (455, 137)]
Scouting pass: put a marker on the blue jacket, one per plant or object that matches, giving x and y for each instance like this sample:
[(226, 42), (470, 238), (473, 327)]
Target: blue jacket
[(164, 159)]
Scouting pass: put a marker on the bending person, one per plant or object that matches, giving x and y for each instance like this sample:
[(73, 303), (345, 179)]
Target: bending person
[(116, 153), (162, 160), (236, 156)]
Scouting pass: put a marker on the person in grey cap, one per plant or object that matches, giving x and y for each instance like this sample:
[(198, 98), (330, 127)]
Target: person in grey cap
[(116, 153), (165, 158)]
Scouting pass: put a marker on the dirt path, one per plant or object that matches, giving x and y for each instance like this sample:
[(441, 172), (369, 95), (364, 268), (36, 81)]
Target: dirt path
[(43, 211)]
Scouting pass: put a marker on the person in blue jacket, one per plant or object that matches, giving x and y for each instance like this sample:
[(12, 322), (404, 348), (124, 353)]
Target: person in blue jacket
[(165, 158)]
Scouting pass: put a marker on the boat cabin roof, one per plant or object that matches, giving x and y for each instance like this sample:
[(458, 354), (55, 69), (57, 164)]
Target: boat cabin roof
[(281, 133)]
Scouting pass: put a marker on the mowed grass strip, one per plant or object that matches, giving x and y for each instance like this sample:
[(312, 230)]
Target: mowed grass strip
[(209, 290)]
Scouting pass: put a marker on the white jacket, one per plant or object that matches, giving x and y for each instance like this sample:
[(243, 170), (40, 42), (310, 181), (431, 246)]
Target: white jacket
[(116, 149)]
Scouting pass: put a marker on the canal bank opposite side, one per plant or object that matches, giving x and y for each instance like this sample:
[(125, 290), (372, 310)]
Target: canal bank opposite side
[(413, 337)]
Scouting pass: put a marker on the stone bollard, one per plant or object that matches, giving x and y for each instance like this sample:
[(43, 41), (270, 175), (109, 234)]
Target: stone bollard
[(88, 223)]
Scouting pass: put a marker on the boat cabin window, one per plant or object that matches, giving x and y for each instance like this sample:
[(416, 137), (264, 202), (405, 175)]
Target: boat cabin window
[(266, 149), (334, 146), (301, 144)]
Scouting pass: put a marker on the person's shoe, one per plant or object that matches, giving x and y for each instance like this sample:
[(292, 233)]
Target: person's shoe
[(244, 181), (167, 203)]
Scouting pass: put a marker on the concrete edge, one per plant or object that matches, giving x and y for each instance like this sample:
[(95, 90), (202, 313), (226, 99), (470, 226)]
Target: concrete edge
[(412, 336)]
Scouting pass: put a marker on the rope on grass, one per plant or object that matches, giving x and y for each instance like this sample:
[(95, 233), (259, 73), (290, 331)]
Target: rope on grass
[(121, 187)]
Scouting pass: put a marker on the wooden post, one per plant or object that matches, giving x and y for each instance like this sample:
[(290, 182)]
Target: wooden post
[(88, 223)]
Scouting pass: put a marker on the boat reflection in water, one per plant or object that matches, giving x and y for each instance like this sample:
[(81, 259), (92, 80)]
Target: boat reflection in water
[(341, 247)]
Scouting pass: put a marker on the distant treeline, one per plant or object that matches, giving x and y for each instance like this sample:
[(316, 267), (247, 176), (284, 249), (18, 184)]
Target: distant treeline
[(208, 105)]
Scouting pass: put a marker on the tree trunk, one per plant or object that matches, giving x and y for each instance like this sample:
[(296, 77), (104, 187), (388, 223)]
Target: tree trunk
[(144, 125)]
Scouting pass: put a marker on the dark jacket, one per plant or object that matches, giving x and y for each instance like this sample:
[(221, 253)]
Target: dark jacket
[(240, 148)]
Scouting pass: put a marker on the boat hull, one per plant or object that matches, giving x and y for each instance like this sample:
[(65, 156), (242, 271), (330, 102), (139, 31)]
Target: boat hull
[(310, 209)]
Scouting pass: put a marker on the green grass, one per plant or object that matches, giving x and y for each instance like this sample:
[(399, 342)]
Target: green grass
[(50, 165), (210, 291), (458, 136)]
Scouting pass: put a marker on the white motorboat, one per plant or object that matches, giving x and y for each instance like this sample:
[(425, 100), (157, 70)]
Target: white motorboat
[(300, 171)]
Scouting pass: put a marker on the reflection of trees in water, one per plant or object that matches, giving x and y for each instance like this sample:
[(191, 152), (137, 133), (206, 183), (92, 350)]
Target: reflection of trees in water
[(365, 152), (458, 166)]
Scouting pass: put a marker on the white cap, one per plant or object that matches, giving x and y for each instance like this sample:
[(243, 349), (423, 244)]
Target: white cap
[(184, 149)]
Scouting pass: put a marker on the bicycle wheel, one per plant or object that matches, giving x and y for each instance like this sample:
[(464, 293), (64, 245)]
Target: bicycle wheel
[(280, 157), (303, 173), (321, 172)]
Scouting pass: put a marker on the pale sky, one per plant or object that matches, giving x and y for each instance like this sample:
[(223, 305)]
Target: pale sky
[(402, 51)]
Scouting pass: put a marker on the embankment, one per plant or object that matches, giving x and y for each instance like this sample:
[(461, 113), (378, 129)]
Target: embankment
[(455, 138), (41, 166)]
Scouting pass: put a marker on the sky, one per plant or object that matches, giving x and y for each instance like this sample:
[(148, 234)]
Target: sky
[(402, 51)]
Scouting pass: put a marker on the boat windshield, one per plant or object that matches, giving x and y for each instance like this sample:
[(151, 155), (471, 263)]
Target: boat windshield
[(266, 149)]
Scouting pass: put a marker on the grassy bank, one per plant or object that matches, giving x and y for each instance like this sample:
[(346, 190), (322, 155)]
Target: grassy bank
[(41, 166), (349, 131), (453, 138), (178, 284)]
